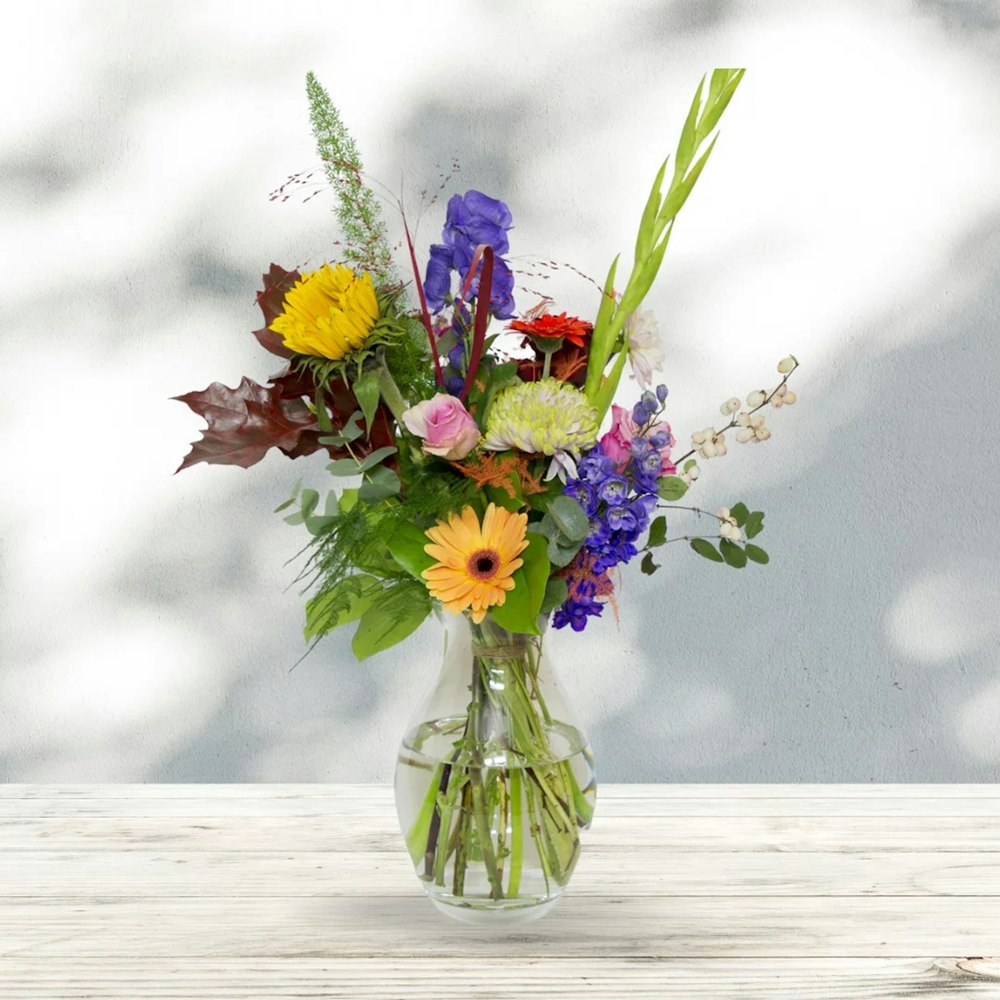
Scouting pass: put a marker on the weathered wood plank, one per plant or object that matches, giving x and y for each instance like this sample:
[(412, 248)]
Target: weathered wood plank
[(383, 793), (468, 978), (611, 803), (643, 871), (380, 833), (582, 927)]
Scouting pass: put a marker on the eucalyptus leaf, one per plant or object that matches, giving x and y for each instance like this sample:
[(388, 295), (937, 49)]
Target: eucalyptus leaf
[(569, 517), (379, 484), (309, 500)]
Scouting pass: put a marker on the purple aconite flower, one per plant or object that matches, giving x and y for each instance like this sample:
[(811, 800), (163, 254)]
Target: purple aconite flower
[(471, 220)]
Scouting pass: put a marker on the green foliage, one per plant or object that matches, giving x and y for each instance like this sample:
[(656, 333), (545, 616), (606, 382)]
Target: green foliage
[(756, 554), (647, 565), (705, 548), (657, 532), (739, 513), (671, 488), (345, 602), (565, 524), (358, 212), (380, 483), (754, 524), (355, 466), (520, 610), (399, 610), (407, 547), (556, 592), (653, 236), (408, 358), (733, 553)]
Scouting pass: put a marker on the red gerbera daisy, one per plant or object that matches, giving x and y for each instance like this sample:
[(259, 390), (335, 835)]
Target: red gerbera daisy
[(549, 327)]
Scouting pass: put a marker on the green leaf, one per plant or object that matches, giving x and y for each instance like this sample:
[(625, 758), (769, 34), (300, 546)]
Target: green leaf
[(556, 592), (755, 524), (657, 532), (739, 513), (644, 239), (705, 548), (733, 553), (689, 464), (521, 607), (349, 432), (757, 554), (406, 545), (379, 484), (647, 565), (569, 517), (309, 501), (373, 458), (687, 144), (353, 467), (383, 626), (671, 488), (348, 500), (345, 602), (366, 388)]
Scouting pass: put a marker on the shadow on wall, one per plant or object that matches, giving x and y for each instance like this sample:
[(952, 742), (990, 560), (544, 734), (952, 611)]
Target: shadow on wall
[(883, 584), (884, 659)]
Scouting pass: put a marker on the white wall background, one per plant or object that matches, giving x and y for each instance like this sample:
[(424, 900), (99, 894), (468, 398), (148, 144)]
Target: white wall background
[(849, 214)]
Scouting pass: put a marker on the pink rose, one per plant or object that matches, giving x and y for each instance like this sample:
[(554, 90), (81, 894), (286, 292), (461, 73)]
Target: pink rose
[(617, 443), (446, 426)]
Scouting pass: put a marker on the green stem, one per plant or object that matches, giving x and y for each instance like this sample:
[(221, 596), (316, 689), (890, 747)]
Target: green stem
[(516, 835)]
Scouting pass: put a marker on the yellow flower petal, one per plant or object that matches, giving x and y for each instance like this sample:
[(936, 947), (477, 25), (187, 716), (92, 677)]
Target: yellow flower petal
[(462, 547)]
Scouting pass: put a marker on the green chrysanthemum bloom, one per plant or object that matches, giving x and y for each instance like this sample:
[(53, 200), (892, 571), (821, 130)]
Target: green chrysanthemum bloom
[(542, 417)]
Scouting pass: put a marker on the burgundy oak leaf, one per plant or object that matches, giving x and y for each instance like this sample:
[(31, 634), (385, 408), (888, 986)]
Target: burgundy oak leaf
[(243, 423), (271, 299)]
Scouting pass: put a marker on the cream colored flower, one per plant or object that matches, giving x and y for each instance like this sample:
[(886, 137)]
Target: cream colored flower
[(645, 351), (709, 443)]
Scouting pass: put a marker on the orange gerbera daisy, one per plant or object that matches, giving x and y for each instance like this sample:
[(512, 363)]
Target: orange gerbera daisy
[(549, 327), (475, 563)]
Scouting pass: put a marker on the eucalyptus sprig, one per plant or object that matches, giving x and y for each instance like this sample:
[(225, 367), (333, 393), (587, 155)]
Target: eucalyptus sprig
[(607, 340)]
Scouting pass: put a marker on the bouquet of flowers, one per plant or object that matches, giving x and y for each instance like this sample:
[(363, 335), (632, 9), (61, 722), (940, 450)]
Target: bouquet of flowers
[(476, 479)]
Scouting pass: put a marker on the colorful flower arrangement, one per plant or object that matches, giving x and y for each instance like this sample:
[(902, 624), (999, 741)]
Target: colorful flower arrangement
[(485, 484), (478, 479)]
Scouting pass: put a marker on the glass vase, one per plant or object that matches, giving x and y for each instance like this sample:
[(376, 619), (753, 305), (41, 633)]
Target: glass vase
[(495, 780)]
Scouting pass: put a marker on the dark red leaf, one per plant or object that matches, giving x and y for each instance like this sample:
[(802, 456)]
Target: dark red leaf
[(271, 300), (243, 423)]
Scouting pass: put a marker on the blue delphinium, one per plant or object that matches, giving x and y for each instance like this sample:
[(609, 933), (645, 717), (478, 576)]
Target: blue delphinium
[(619, 503), (472, 219)]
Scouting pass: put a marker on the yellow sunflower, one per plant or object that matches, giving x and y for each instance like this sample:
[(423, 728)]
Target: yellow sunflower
[(475, 563), (328, 313)]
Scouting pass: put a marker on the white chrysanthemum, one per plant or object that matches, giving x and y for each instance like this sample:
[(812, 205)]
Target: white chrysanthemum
[(541, 417)]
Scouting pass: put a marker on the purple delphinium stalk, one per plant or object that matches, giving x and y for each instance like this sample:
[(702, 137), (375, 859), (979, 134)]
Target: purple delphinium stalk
[(619, 503), (472, 219)]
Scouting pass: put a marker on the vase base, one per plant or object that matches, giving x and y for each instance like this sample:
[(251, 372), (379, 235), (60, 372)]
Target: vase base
[(495, 916)]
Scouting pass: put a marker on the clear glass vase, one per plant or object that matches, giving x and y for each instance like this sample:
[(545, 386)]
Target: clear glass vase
[(494, 781)]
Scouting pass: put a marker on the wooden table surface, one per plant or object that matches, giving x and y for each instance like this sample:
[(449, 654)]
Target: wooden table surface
[(700, 892)]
